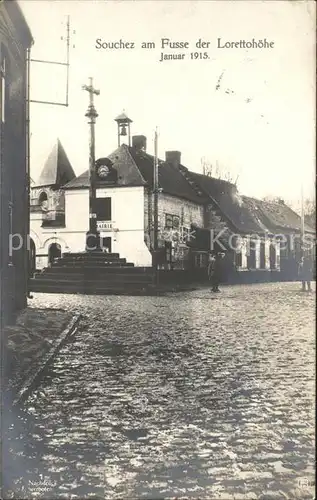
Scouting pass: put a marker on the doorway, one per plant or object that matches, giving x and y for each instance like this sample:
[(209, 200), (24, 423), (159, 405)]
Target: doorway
[(54, 252), (107, 244)]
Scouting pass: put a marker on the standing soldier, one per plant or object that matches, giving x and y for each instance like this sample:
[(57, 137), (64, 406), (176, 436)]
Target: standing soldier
[(210, 268), (306, 272), (216, 271)]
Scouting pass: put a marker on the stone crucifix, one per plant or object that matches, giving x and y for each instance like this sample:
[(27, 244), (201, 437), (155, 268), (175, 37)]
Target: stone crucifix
[(92, 236), (91, 113)]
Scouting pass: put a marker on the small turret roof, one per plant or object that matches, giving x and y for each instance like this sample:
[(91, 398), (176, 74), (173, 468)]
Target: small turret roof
[(123, 118), (57, 170)]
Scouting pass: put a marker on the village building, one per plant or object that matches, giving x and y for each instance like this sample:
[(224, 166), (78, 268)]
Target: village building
[(196, 214), (15, 42), (47, 208)]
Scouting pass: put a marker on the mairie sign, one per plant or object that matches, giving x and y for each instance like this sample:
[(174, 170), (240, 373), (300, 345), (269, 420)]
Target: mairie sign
[(104, 225)]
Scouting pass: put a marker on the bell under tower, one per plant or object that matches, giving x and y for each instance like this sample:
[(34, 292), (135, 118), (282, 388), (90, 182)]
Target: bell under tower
[(123, 124)]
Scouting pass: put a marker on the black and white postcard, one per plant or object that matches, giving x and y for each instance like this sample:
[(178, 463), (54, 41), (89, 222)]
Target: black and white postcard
[(158, 257)]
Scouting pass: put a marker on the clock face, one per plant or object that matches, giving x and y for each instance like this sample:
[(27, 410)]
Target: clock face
[(103, 171)]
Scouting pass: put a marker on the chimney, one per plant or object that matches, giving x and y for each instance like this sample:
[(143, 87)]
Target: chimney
[(139, 142), (173, 157)]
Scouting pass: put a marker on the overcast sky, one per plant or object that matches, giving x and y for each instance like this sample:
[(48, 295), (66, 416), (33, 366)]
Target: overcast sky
[(261, 131)]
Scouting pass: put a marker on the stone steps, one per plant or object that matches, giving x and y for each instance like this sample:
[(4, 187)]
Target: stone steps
[(96, 262), (96, 278), (88, 265), (92, 273), (90, 256), (93, 289), (94, 270)]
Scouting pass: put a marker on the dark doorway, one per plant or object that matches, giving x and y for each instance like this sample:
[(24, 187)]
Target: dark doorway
[(32, 258), (106, 244), (168, 252), (54, 252)]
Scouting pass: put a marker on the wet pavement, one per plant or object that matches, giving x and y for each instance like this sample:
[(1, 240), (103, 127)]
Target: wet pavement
[(194, 395), (29, 342)]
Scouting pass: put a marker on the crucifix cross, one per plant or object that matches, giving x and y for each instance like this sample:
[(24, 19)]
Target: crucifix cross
[(90, 88), (91, 113)]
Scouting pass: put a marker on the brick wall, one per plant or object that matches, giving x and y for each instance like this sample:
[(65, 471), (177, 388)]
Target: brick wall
[(188, 212)]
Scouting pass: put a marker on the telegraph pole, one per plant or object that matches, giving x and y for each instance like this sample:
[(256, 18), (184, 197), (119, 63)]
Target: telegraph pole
[(155, 192), (302, 222), (155, 207), (92, 236)]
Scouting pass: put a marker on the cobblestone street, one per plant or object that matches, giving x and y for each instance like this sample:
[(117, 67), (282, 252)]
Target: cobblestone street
[(194, 395)]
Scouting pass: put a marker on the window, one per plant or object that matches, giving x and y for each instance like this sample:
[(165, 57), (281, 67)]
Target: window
[(175, 221), (201, 260), (103, 209), (43, 201), (262, 255), (3, 89), (272, 256), (251, 258), (171, 221), (237, 247), (168, 221), (238, 256)]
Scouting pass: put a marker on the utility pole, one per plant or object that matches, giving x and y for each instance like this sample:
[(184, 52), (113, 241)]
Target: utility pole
[(302, 222), (59, 63), (92, 236), (155, 207)]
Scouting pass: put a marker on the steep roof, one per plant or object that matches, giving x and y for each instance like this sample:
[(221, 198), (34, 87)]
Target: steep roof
[(244, 214), (276, 215), (135, 168), (230, 203), (170, 178), (57, 170), (128, 172)]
